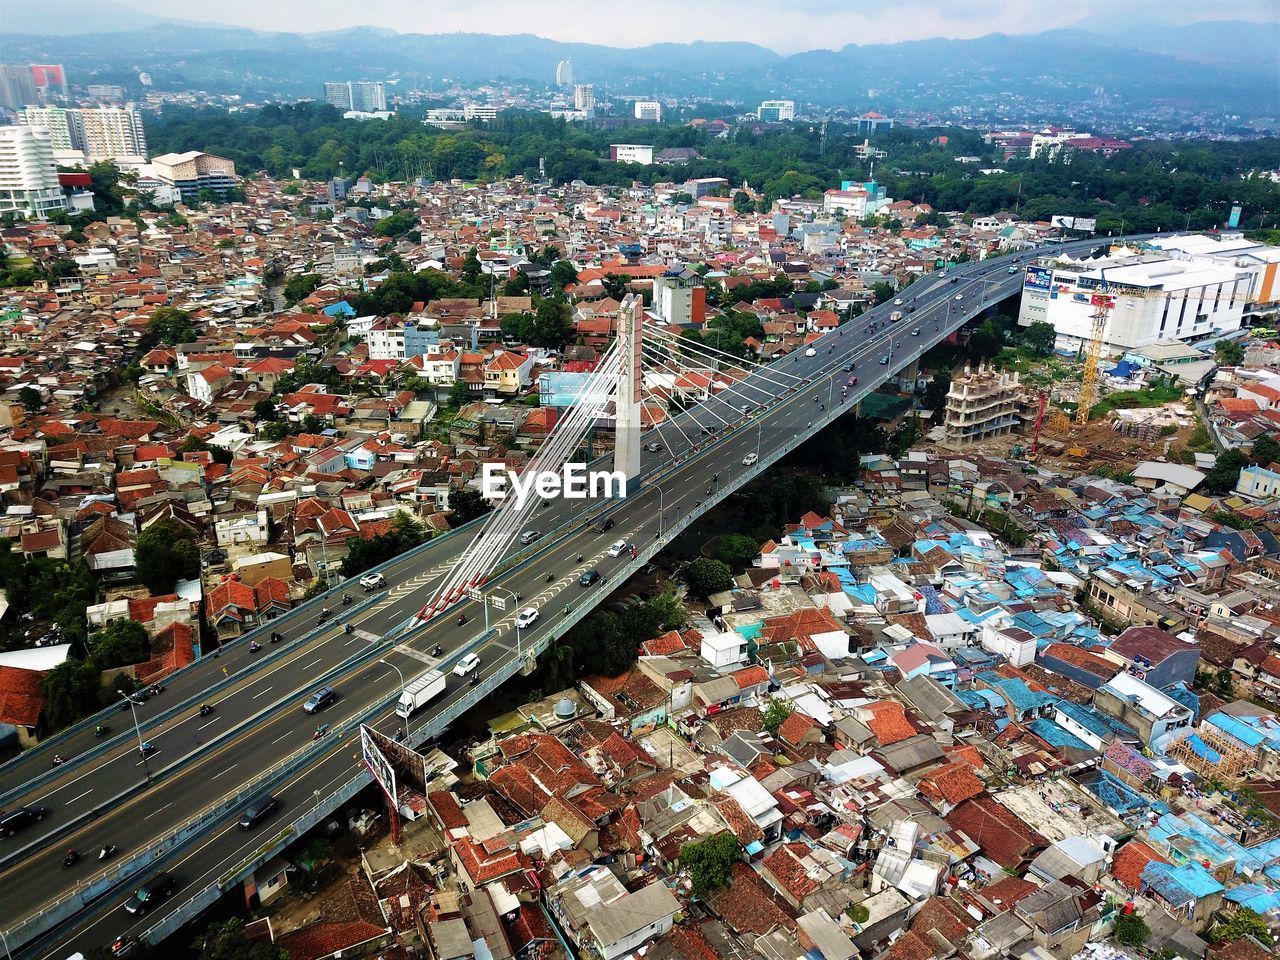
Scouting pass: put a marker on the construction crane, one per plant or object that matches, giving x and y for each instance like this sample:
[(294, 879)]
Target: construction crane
[(1102, 304)]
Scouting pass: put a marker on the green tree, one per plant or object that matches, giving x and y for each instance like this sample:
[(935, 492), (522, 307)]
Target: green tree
[(299, 286), (465, 505), (706, 576), (71, 691), (562, 274), (1131, 930), (883, 292), (227, 941), (987, 340), (166, 553), (1266, 450), (1226, 471), (459, 394), (1229, 353), (737, 551), (264, 411), (517, 286), (710, 862), (1039, 338), (119, 644), (615, 286), (394, 225), (471, 268), (30, 398), (935, 394), (742, 203), (775, 715), (1243, 923), (365, 554), (169, 325), (553, 325)]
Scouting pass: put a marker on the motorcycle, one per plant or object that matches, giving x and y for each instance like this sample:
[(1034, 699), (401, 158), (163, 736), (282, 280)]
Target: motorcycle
[(437, 651), (205, 709), (254, 646), (475, 679), (147, 749), (275, 637), (550, 577), (462, 618), (107, 852), (71, 859), (58, 760), (346, 600), (321, 731), (348, 629), (101, 730)]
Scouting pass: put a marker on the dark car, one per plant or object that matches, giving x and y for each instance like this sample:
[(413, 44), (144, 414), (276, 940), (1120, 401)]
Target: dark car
[(848, 368), (320, 699), (15, 820), (158, 888), (653, 447), (124, 946), (257, 810), (605, 524), (590, 577)]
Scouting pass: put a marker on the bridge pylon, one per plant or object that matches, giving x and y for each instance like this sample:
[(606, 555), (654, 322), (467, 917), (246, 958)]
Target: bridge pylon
[(627, 400)]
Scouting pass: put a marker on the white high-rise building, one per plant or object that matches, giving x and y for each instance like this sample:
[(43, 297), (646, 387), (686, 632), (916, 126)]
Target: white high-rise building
[(28, 176), (100, 133), (774, 111), (649, 110), (564, 73), (584, 98), (363, 96)]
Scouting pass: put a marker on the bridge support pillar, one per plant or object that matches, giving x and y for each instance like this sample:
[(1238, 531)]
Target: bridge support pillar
[(627, 405), (911, 371), (528, 665)]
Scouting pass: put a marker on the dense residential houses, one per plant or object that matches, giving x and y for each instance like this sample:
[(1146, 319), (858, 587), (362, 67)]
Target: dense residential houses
[(976, 749)]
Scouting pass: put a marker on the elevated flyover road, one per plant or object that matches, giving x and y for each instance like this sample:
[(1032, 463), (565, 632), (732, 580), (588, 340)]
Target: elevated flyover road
[(250, 737)]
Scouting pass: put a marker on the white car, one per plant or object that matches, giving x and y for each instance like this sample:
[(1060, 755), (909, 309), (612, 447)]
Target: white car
[(898, 302), (618, 548), (811, 352), (526, 617), (373, 581), (958, 296), (466, 665), (749, 459)]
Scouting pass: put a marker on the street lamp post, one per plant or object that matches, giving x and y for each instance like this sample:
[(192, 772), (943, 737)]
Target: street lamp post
[(386, 663), (133, 709)]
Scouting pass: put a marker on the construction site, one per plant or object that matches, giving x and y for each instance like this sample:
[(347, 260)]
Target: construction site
[(995, 412)]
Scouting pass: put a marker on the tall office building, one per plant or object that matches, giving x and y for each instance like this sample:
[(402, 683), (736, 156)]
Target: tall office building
[(564, 73), (365, 96), (17, 88), (100, 133), (50, 81), (584, 98), (649, 110), (28, 176), (774, 111)]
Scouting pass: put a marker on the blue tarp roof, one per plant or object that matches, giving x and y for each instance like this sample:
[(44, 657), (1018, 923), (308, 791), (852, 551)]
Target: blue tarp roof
[(1054, 735), (1182, 885), (1233, 727), (1255, 896)]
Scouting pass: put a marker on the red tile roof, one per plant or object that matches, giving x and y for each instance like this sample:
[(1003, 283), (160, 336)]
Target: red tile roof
[(747, 904), (953, 783), (786, 866), (889, 722), (795, 727), (1001, 835), (1130, 860), (21, 698)]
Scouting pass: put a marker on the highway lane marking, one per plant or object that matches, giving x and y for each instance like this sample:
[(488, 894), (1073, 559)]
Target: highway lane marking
[(209, 724), (263, 693), (285, 737), (74, 799), (228, 770), (157, 810), (312, 663), (144, 759)]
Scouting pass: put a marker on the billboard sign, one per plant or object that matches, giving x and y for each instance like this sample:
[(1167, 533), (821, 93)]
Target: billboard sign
[(1234, 220), (1083, 224), (1038, 278), (1102, 300)]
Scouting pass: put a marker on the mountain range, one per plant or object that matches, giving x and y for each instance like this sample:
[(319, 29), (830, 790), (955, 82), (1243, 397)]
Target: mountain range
[(1206, 70)]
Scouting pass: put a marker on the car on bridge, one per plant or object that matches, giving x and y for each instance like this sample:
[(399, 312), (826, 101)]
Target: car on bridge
[(749, 459), (617, 548), (526, 617), (469, 662), (605, 524), (589, 577), (958, 296), (15, 820), (884, 361), (372, 581), (158, 888), (320, 699), (529, 536), (258, 810)]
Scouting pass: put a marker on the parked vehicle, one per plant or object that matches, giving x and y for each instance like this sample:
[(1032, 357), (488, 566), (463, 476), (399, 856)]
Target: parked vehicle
[(420, 691)]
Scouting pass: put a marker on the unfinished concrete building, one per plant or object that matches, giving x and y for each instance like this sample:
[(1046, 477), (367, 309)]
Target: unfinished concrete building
[(981, 404)]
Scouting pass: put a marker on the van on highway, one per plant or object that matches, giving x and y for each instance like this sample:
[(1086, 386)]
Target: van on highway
[(895, 316)]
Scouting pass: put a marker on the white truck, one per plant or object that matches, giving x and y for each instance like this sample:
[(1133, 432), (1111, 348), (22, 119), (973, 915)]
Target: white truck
[(420, 691)]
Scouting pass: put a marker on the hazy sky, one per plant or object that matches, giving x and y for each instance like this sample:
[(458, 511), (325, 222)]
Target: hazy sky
[(783, 25)]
